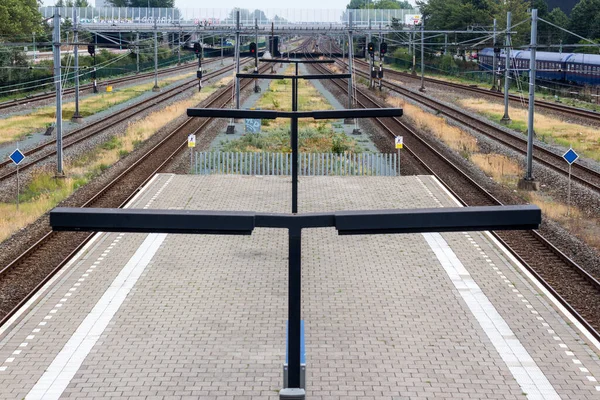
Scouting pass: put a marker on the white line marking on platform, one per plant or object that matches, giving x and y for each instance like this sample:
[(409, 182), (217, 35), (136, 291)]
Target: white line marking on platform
[(521, 365), (66, 364)]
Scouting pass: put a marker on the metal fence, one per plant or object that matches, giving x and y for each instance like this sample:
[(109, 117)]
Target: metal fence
[(310, 164)]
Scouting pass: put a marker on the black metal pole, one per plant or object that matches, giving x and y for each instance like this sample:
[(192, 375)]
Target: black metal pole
[(294, 140), (294, 307), (94, 73)]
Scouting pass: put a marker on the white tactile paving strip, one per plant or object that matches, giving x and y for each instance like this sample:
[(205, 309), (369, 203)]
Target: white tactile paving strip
[(57, 380), (57, 377), (530, 384)]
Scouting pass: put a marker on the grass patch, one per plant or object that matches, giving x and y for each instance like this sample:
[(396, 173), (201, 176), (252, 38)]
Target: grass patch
[(584, 139), (311, 139), (454, 137), (44, 191), (585, 227), (18, 126), (42, 194), (499, 167), (313, 136)]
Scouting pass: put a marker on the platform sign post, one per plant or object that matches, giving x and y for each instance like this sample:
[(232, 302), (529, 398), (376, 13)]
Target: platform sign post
[(570, 157), (191, 144), (17, 157), (399, 142)]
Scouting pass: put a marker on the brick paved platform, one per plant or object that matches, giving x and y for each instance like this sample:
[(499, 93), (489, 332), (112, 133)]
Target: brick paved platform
[(387, 317)]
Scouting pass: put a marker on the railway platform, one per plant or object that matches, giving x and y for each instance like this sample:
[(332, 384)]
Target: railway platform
[(415, 316)]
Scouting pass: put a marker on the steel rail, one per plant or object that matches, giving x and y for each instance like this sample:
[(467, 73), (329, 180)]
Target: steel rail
[(580, 173), (101, 124), (224, 93), (488, 198), (52, 93)]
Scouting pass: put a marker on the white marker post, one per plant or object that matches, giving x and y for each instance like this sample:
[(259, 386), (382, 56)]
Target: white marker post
[(17, 157), (570, 156), (399, 141), (191, 145)]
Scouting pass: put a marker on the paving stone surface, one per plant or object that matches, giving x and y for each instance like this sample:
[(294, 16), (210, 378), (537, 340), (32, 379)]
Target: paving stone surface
[(385, 319)]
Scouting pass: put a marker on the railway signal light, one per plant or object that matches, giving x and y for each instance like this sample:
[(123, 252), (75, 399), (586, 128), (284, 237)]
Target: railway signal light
[(91, 49), (197, 48), (252, 48), (371, 48), (383, 48)]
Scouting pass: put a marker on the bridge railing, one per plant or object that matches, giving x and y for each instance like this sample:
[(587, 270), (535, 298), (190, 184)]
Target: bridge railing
[(226, 16)]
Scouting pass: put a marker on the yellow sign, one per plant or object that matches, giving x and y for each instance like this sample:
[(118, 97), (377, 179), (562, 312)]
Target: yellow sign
[(399, 142), (192, 141), (109, 88)]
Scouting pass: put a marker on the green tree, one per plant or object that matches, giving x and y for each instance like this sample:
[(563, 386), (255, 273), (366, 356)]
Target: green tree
[(518, 9), (455, 14), (20, 17), (585, 18), (559, 18)]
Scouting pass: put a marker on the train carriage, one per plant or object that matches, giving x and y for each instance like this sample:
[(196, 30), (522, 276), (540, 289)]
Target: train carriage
[(583, 69), (573, 68)]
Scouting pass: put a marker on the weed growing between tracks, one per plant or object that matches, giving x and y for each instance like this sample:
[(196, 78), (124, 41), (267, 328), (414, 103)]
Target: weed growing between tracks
[(504, 170), (44, 191), (461, 142), (584, 139), (16, 127), (313, 136)]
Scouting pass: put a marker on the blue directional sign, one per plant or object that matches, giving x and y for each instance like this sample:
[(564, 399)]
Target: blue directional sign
[(570, 156), (17, 157)]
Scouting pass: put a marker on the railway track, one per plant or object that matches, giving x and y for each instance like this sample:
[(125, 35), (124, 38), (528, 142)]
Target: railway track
[(27, 273), (592, 116), (88, 86), (580, 173), (46, 150), (577, 290)]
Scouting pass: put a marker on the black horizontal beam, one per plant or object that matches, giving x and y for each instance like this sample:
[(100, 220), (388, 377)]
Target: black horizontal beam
[(306, 77), (346, 222), (148, 221), (268, 114), (296, 61), (457, 219)]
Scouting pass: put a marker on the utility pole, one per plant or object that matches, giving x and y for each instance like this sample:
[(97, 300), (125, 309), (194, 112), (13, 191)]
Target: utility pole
[(137, 52), (506, 117), (155, 88), (422, 88), (179, 48), (199, 72), (222, 62), (237, 58), (445, 44), (350, 61), (370, 57), (380, 73), (57, 81), (529, 183), (34, 56), (494, 60), (256, 88), (76, 116), (414, 50), (272, 46)]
